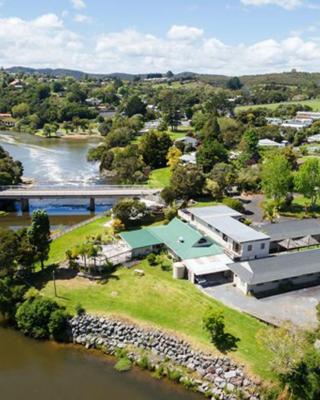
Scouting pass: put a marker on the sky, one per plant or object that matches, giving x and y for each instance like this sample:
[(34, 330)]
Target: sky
[(229, 37)]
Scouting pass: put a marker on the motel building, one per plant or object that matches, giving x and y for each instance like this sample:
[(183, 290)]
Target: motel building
[(212, 246)]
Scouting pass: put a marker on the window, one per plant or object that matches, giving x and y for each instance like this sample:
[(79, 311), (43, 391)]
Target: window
[(225, 237), (262, 246), (236, 247), (250, 247)]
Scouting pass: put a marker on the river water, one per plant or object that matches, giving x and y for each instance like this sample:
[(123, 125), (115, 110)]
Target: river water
[(32, 370), (54, 162)]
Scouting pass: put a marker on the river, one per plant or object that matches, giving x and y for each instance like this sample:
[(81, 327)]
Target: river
[(53, 161), (40, 370)]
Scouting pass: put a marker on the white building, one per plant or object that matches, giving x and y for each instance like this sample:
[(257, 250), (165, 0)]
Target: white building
[(221, 224), (270, 143), (189, 158), (308, 115), (297, 123)]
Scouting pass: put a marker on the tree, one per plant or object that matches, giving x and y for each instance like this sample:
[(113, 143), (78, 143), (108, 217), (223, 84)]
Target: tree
[(8, 251), (307, 180), (234, 83), (210, 153), (135, 106), (154, 148), (287, 345), (173, 157), (11, 295), (10, 170), (39, 234), (270, 212), (39, 318), (249, 148), (129, 211), (224, 175), (211, 130), (186, 182), (276, 177), (213, 323), (20, 110), (26, 253)]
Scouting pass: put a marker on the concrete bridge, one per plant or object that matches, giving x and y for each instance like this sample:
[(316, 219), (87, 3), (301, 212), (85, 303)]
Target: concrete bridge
[(25, 193)]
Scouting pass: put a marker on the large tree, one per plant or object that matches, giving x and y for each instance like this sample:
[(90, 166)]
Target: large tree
[(39, 235), (129, 211), (210, 153), (187, 182), (307, 180), (249, 148), (154, 148), (135, 106), (276, 177)]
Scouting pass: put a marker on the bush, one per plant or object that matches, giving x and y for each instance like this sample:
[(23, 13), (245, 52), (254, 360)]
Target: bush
[(41, 318), (144, 362), (123, 365), (152, 259), (174, 375), (80, 310), (58, 325), (234, 204), (213, 323)]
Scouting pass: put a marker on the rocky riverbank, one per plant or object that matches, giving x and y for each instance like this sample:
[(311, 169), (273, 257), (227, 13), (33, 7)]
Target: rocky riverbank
[(218, 377)]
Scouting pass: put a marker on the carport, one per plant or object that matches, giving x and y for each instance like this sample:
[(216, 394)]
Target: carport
[(209, 271)]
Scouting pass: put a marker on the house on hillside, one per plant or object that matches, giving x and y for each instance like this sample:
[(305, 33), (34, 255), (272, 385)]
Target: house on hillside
[(190, 158), (6, 120), (188, 141)]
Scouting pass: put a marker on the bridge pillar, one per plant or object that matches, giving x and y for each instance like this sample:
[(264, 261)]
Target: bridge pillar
[(25, 207), (92, 204)]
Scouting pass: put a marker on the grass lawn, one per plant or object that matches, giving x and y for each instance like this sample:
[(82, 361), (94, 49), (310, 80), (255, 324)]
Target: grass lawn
[(297, 209), (314, 104), (159, 178), (61, 245), (205, 202), (158, 300)]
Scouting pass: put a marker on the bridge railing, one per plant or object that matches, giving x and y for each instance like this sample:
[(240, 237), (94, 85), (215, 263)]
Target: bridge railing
[(75, 188)]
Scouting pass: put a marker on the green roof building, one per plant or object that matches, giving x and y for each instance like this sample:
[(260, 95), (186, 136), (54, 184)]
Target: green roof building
[(180, 239)]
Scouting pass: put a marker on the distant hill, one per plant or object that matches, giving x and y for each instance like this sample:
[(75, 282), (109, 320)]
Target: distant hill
[(293, 78)]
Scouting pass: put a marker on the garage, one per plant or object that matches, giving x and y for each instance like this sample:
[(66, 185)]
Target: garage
[(209, 271)]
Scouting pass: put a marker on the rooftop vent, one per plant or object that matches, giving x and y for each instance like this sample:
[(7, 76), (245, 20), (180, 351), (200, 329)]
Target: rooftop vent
[(181, 239)]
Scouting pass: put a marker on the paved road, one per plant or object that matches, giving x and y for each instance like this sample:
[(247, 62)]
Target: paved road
[(298, 306)]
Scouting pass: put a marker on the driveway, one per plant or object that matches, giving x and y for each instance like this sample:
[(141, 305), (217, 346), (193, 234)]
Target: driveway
[(298, 306)]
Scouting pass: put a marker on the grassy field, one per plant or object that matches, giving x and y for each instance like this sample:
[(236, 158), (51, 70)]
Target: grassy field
[(159, 178), (61, 245), (157, 299), (314, 104)]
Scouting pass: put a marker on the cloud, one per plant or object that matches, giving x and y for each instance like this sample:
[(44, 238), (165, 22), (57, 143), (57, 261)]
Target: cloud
[(182, 32), (78, 4), (81, 18), (46, 42), (287, 4), (40, 42)]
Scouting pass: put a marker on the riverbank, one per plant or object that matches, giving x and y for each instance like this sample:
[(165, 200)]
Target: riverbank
[(166, 356)]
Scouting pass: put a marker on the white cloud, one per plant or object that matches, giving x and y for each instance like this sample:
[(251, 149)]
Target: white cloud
[(46, 42), (81, 18), (78, 4), (41, 42), (287, 4), (182, 32)]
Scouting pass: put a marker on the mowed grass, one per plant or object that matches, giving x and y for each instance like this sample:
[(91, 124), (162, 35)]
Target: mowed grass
[(157, 299), (159, 178), (314, 104), (69, 240)]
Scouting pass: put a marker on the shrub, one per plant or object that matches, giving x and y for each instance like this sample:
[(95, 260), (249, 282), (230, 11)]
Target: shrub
[(213, 323), (152, 259), (234, 204), (118, 226), (166, 265), (39, 318), (174, 375), (80, 310), (144, 362), (58, 325), (123, 364)]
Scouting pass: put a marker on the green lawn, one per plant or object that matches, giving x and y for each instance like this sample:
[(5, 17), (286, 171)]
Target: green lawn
[(158, 299), (61, 245), (155, 299), (159, 178), (314, 104), (297, 209)]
